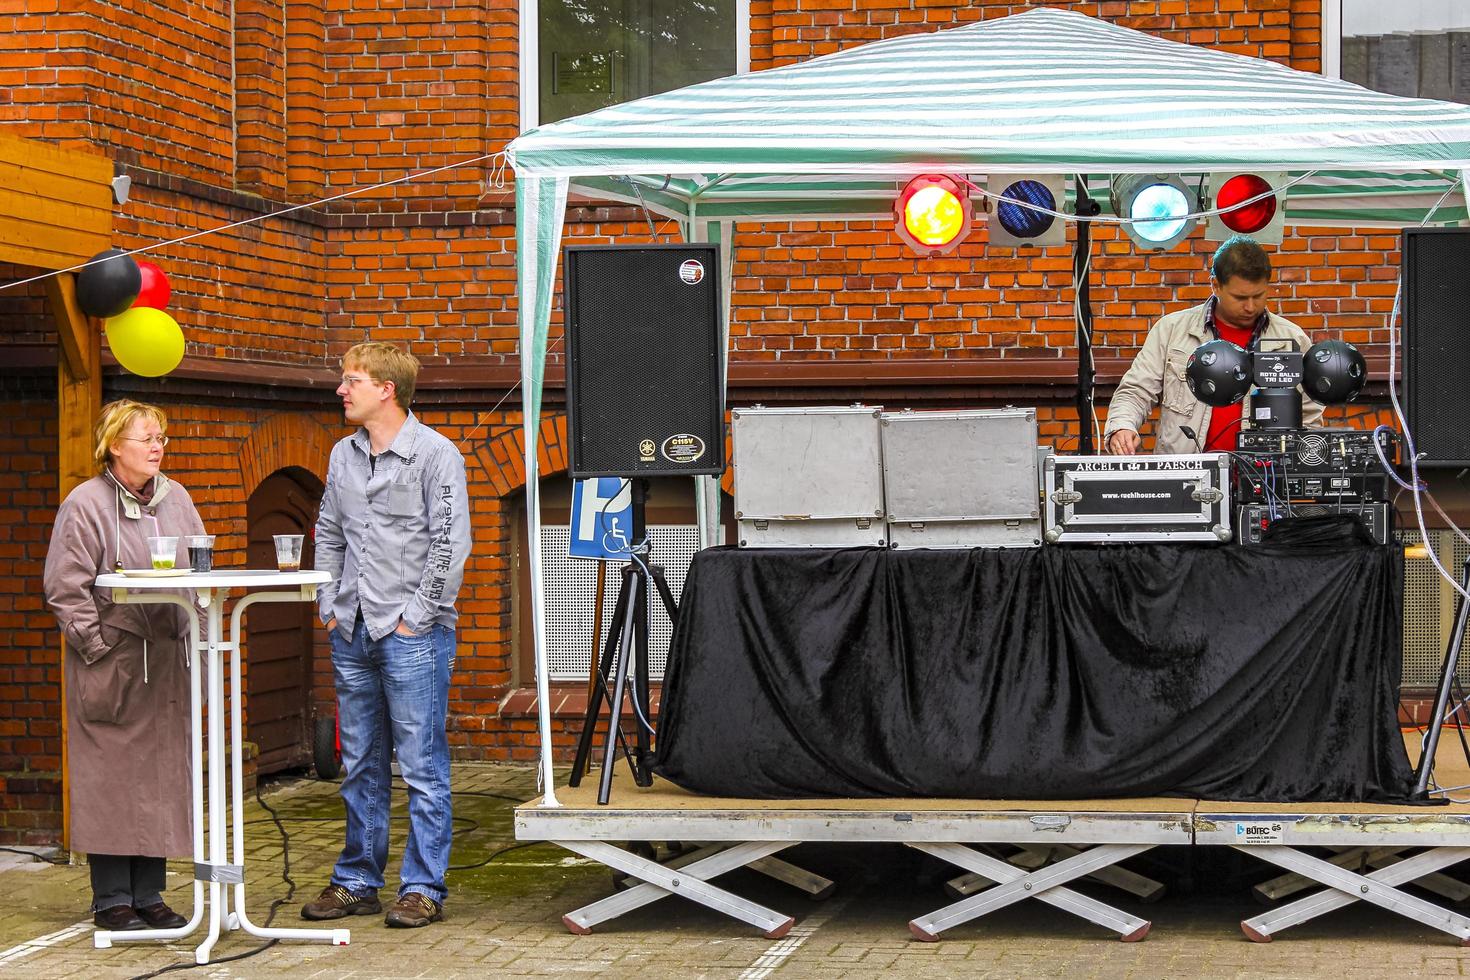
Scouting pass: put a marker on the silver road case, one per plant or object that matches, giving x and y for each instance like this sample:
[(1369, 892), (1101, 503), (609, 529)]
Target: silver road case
[(1137, 498), (808, 477), (962, 479)]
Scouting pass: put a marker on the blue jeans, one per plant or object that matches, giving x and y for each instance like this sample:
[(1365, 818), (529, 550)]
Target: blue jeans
[(392, 694)]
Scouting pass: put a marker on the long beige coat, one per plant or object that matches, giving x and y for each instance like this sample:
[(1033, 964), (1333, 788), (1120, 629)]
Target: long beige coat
[(127, 682), (1157, 378)]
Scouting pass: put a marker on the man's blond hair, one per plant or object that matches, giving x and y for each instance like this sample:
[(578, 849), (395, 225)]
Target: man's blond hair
[(114, 420), (383, 363)]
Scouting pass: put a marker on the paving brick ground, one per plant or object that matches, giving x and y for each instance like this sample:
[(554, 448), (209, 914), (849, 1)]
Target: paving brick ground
[(504, 918)]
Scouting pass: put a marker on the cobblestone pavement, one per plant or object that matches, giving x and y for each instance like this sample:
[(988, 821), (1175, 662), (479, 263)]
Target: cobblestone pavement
[(504, 918)]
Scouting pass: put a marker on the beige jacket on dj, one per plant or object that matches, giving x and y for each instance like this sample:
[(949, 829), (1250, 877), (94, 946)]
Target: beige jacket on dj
[(1157, 378)]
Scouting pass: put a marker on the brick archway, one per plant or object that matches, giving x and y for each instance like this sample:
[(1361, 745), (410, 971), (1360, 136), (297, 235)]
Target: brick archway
[(504, 458), (281, 441)]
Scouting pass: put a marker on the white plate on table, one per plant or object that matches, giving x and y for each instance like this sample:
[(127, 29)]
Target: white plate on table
[(154, 572)]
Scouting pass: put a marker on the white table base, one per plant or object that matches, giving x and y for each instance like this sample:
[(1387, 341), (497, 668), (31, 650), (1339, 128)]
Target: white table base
[(215, 871)]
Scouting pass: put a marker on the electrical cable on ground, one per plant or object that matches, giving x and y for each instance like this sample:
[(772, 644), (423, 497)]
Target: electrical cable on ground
[(270, 915), (280, 820), (32, 854)]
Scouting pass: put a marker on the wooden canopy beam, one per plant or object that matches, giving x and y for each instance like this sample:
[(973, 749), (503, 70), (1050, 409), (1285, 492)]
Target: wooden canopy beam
[(55, 204), (73, 331), (78, 383), (55, 213)]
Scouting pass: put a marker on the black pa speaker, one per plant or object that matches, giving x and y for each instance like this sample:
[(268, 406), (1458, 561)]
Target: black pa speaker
[(645, 394), (1436, 270)]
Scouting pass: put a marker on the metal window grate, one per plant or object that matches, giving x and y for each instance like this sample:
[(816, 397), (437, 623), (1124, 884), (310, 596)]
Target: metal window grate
[(1429, 609), (570, 583)]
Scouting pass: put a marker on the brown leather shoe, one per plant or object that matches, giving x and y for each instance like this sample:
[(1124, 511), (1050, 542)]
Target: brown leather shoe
[(160, 916), (413, 910), (119, 918), (336, 902)]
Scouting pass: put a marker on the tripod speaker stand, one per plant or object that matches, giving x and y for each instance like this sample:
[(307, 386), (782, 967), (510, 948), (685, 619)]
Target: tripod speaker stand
[(1448, 673), (625, 654)]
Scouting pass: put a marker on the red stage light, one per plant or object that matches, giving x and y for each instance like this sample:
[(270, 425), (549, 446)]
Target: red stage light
[(933, 214), (1263, 220), (1250, 218)]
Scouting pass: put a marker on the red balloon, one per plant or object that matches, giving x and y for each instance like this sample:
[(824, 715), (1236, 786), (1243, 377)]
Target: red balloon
[(155, 291)]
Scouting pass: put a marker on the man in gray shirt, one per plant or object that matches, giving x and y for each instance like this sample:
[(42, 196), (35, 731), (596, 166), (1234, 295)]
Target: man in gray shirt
[(394, 532)]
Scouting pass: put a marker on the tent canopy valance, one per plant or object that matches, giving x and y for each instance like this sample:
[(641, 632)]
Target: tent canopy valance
[(1043, 92), (1046, 91), (1316, 198)]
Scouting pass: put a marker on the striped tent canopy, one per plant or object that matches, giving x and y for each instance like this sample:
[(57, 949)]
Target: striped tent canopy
[(1046, 91), (1043, 92)]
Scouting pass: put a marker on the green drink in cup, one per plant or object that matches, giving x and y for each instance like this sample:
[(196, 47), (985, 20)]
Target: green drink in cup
[(163, 549)]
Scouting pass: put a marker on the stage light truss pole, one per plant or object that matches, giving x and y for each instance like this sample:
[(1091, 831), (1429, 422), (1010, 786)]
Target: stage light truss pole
[(1081, 274), (1446, 680)]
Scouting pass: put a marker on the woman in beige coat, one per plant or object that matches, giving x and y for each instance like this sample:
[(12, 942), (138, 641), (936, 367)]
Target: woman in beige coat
[(127, 682)]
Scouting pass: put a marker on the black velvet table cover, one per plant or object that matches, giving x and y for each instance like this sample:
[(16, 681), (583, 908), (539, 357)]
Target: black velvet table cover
[(1068, 672)]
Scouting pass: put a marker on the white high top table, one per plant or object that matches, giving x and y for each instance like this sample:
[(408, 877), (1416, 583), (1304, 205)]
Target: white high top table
[(211, 589)]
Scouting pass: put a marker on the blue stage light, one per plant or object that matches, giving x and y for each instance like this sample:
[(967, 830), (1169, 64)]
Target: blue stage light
[(1157, 207), (1015, 219)]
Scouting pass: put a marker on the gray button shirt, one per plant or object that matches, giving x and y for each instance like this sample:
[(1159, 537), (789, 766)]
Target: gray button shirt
[(394, 533)]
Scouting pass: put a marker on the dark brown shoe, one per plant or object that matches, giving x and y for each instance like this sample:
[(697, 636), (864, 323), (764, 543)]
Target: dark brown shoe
[(336, 902), (119, 918), (413, 910), (160, 916)]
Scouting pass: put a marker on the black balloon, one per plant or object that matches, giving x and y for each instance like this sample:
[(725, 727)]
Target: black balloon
[(1334, 371), (1219, 372), (107, 287)]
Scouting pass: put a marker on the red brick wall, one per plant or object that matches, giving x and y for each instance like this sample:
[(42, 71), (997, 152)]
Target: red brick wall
[(148, 82), (787, 31), (252, 294), (260, 96), (30, 649), (413, 87), (331, 95)]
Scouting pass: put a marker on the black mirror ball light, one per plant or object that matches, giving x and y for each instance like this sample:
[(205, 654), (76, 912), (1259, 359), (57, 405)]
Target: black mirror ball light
[(1220, 373)]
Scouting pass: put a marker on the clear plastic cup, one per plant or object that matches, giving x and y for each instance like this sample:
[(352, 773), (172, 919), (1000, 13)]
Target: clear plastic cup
[(201, 552), (163, 550), (288, 552)]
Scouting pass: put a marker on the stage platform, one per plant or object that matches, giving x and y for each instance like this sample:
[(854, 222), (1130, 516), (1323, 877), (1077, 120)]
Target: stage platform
[(1025, 849)]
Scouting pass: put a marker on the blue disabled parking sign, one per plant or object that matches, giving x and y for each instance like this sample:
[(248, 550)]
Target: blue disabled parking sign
[(602, 519)]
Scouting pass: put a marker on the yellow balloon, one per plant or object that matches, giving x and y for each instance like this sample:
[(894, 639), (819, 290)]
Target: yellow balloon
[(145, 341)]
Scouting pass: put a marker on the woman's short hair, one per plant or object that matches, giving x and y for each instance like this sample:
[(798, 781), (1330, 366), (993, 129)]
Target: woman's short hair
[(384, 362), (114, 421)]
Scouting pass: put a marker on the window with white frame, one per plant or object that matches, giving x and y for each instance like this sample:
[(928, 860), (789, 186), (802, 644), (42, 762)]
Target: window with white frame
[(1420, 50), (581, 55)]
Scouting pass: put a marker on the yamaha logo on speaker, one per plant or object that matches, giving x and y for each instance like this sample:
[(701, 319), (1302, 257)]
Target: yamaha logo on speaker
[(683, 448), (643, 343)]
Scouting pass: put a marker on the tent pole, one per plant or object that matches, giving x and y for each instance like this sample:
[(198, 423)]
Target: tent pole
[(1081, 274), (697, 231), (726, 232), (707, 488), (540, 213)]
